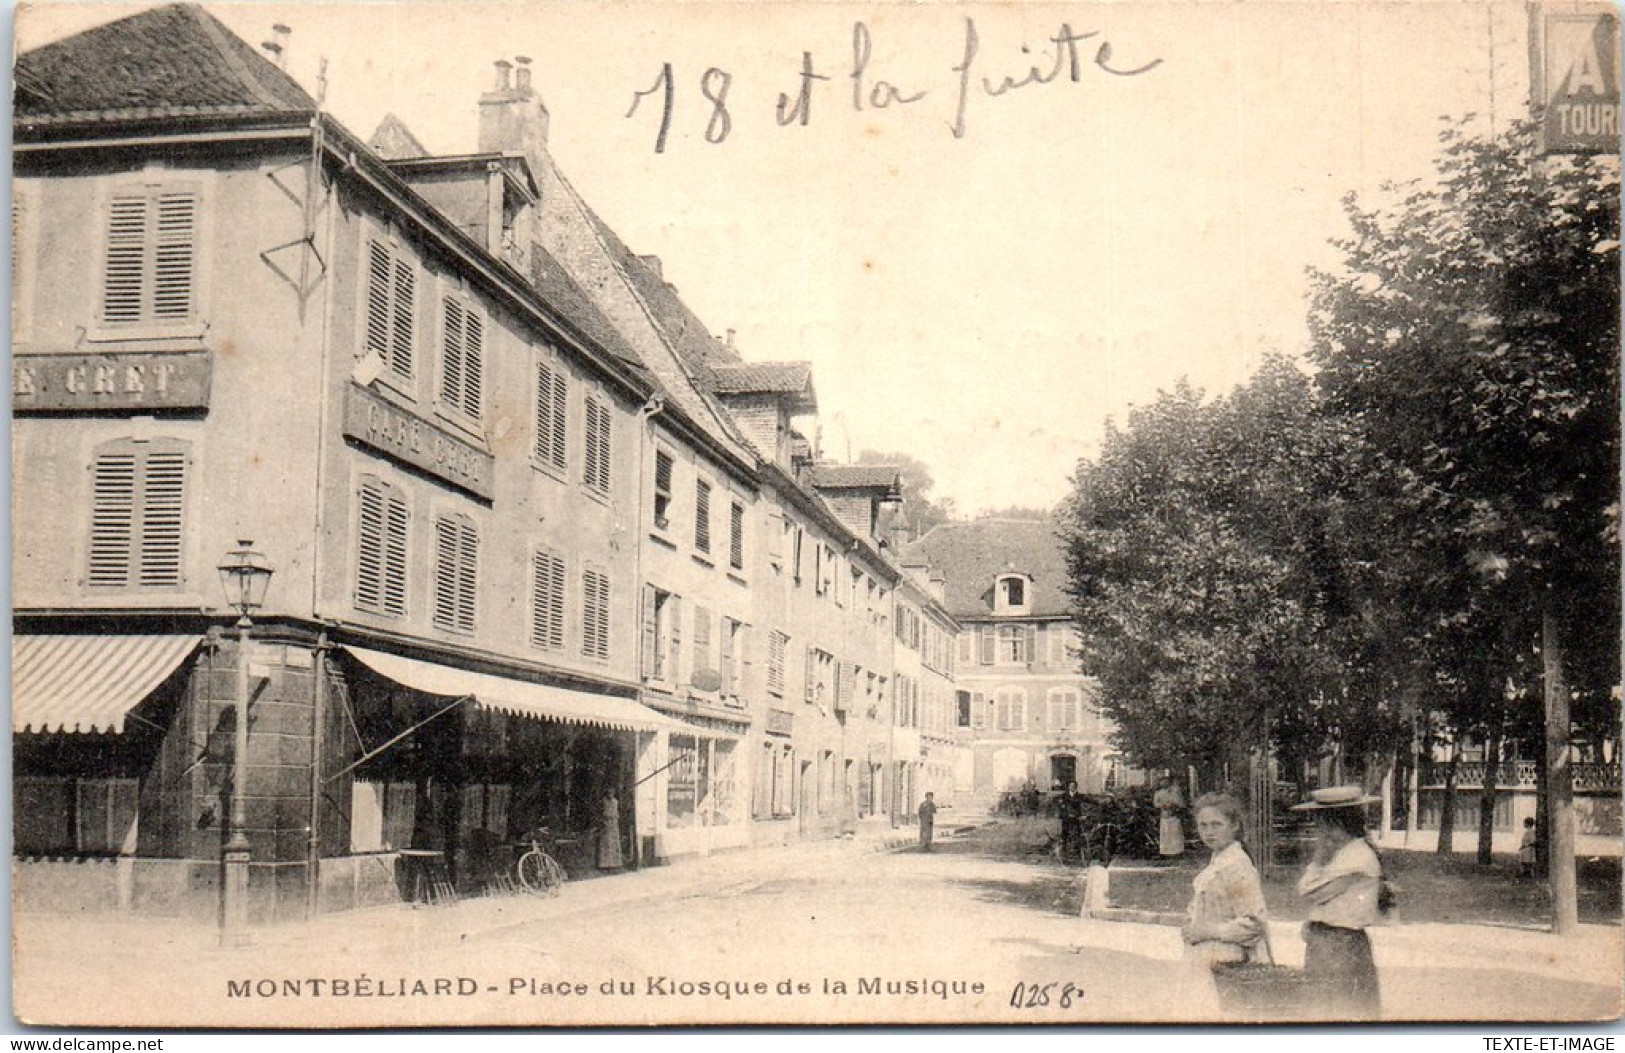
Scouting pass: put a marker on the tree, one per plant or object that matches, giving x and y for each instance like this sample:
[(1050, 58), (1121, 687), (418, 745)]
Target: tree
[(1472, 333), (1215, 579)]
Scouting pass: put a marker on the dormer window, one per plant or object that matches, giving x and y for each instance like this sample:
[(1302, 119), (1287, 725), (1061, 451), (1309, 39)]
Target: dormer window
[(1011, 594)]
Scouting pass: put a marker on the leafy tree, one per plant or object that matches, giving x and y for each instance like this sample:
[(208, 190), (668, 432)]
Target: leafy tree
[(1472, 334)]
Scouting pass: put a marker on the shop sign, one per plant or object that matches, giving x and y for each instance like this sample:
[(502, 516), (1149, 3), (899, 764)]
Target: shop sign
[(1577, 68), (406, 437), (779, 722), (94, 383)]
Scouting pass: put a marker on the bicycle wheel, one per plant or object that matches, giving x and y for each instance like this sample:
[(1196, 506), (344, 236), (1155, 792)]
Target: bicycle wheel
[(540, 873)]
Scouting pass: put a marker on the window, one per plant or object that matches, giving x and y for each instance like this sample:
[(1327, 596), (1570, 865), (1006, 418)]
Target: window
[(796, 537), (687, 776), (595, 614), (963, 705), (1010, 705), (149, 272), (985, 642), (86, 816), (702, 515), (1015, 644), (1063, 708), (380, 581), (547, 601), (391, 288), (456, 573), (821, 674), (663, 468), (661, 636), (1011, 593), (137, 513), (462, 359), (777, 644), (775, 781), (978, 709), (552, 411), (595, 472), (736, 536), (702, 638), (732, 655)]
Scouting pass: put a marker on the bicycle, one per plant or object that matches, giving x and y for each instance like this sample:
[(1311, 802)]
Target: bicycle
[(538, 872)]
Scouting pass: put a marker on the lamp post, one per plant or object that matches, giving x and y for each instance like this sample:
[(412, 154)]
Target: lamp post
[(245, 575)]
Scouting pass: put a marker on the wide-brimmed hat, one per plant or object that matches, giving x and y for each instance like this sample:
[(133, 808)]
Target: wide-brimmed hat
[(1336, 797)]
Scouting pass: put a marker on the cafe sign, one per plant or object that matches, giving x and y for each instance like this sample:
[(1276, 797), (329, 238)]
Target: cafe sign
[(409, 438), (125, 381), (1577, 69)]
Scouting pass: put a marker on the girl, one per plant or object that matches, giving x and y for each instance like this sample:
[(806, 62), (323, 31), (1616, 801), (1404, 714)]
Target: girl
[(1227, 901)]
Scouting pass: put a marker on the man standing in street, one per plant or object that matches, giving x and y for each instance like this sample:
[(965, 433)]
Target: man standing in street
[(928, 821), (1070, 807)]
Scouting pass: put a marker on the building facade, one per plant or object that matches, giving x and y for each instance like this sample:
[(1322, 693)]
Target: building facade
[(546, 553), (1023, 708)]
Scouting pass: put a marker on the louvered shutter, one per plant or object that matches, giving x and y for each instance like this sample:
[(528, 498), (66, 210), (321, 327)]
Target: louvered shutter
[(370, 528), (380, 319), (174, 253), (674, 649), (725, 650), (473, 364), (702, 638), (736, 537), (812, 674), (123, 278), (445, 573), (547, 601), (776, 646), (648, 637), (453, 378), (702, 515), (552, 395), (402, 310), (112, 518), (456, 574), (394, 562), (162, 510), (595, 614), (468, 563)]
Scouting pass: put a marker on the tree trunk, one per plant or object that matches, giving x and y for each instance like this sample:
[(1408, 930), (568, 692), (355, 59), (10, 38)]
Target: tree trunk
[(1559, 781), (1447, 806), (1486, 797)]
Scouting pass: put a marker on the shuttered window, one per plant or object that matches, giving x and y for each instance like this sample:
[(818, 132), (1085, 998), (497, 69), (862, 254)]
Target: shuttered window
[(547, 601), (552, 410), (150, 270), (595, 473), (702, 638), (702, 515), (736, 536), (462, 361), (662, 503), (381, 549), (137, 515), (391, 294), (777, 644), (595, 614), (456, 573)]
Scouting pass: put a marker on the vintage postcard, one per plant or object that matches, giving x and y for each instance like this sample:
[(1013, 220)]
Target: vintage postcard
[(559, 514)]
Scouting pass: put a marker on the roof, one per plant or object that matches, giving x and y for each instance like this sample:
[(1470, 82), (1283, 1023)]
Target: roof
[(766, 378), (394, 141), (972, 556), (857, 477), (171, 62)]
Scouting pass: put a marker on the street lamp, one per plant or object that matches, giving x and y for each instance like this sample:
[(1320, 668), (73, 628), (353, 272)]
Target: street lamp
[(245, 575)]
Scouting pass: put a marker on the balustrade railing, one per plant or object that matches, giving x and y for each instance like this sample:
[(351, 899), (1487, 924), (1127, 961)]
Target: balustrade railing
[(1517, 775)]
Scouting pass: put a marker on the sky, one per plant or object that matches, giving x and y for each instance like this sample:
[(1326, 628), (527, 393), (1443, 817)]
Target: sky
[(982, 276)]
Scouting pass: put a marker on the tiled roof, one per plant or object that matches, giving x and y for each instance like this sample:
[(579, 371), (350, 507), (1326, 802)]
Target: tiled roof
[(856, 477), (170, 62), (972, 555), (560, 290), (762, 378)]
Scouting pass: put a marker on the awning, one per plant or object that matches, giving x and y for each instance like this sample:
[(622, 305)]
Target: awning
[(516, 697), (88, 683)]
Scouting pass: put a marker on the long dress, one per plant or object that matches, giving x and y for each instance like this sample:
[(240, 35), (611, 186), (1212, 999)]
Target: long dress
[(1228, 889), (1170, 831), (609, 836), (1343, 896)]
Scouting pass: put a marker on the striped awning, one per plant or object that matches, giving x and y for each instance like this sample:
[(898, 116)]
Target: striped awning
[(88, 683), (516, 697)]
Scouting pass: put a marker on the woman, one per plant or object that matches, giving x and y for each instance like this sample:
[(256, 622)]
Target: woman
[(1343, 887), (1170, 831), (1227, 901), (609, 834)]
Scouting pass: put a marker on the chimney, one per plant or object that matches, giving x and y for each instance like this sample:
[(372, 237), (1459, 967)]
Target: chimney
[(729, 343), (277, 46), (513, 119)]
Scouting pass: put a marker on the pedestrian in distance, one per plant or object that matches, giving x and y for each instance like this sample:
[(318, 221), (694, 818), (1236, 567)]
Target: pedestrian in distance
[(1226, 913), (928, 821), (1528, 849), (1070, 808), (1170, 830), (609, 834), (1346, 891)]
